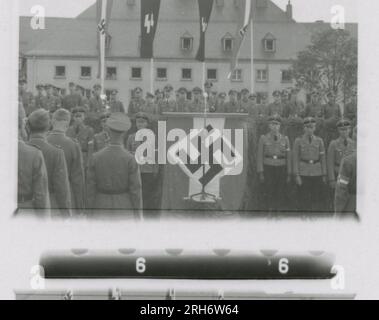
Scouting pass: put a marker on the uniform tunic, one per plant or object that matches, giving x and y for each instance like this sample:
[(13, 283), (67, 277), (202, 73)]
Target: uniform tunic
[(59, 188), (33, 185), (135, 106), (232, 107), (114, 182), (338, 149), (53, 103), (309, 162), (346, 189), (116, 106), (83, 134), (245, 106), (182, 105), (274, 162), (275, 109), (167, 105), (74, 163)]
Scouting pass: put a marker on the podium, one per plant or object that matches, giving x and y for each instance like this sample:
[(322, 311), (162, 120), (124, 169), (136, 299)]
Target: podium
[(196, 186)]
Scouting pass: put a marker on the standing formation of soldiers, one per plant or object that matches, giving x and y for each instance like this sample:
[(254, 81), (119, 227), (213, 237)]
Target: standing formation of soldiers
[(78, 153)]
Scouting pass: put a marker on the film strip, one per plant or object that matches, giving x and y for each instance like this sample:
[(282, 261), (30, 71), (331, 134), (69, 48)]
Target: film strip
[(175, 274)]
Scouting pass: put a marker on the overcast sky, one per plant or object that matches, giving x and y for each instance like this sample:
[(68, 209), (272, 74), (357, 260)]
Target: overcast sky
[(304, 10)]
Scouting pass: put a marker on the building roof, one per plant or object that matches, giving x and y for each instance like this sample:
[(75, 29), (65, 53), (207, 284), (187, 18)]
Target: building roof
[(77, 37)]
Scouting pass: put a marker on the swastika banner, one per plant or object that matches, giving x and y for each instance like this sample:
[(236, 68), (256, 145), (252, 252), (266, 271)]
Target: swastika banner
[(149, 24)]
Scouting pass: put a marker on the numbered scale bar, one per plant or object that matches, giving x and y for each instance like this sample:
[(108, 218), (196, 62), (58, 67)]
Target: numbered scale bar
[(180, 264)]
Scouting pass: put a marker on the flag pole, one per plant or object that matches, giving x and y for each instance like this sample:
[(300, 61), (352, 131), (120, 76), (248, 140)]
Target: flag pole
[(102, 45), (252, 54), (152, 75)]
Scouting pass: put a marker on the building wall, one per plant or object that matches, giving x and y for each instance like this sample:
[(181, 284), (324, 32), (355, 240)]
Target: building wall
[(42, 70)]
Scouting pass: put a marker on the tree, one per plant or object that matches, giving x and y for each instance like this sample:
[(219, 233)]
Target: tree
[(330, 63)]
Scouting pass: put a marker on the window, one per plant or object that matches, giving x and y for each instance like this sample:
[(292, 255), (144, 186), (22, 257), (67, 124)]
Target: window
[(286, 76), (261, 97), (60, 72), (111, 73), (236, 75), (228, 44), (186, 43), (269, 45), (186, 74), (108, 40), (262, 75), (212, 74), (136, 73), (85, 72), (162, 73)]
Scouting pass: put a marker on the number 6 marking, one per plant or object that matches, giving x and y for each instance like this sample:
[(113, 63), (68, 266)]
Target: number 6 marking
[(141, 265), (283, 266)]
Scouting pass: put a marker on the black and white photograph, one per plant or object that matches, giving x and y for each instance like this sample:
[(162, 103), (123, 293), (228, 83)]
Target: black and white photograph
[(160, 150), (187, 109)]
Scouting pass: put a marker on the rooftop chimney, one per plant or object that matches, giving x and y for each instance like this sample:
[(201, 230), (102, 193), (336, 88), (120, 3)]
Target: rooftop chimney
[(289, 10)]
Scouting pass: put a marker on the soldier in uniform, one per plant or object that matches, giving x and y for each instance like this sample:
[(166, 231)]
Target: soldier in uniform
[(81, 132), (33, 185), (245, 102), (232, 104), (346, 188), (182, 102), (338, 149), (211, 102), (101, 139), (149, 172), (136, 104), (197, 103), (221, 103), (158, 96), (72, 99), (26, 97), (274, 165), (84, 101), (115, 104), (96, 103), (332, 115), (52, 102), (276, 108), (74, 162), (168, 104), (59, 188), (40, 99), (113, 176), (309, 167), (150, 107)]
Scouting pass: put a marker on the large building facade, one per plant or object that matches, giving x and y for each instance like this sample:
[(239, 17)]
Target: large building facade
[(66, 50)]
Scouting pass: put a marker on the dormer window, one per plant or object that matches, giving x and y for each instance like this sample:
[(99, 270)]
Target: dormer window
[(269, 43), (227, 43), (186, 42)]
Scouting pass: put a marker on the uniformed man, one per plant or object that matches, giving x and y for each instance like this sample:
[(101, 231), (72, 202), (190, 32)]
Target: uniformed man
[(136, 104), (57, 92), (168, 103), (72, 99), (59, 188), (346, 187), (232, 105), (182, 104), (276, 108), (332, 115), (254, 108), (81, 132), (274, 165), (60, 123), (95, 102), (149, 172), (158, 96), (338, 149), (245, 102), (101, 139), (40, 99), (81, 92), (113, 176), (52, 102), (197, 103), (309, 167), (211, 102), (33, 185), (150, 107), (221, 103), (26, 97), (115, 104)]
